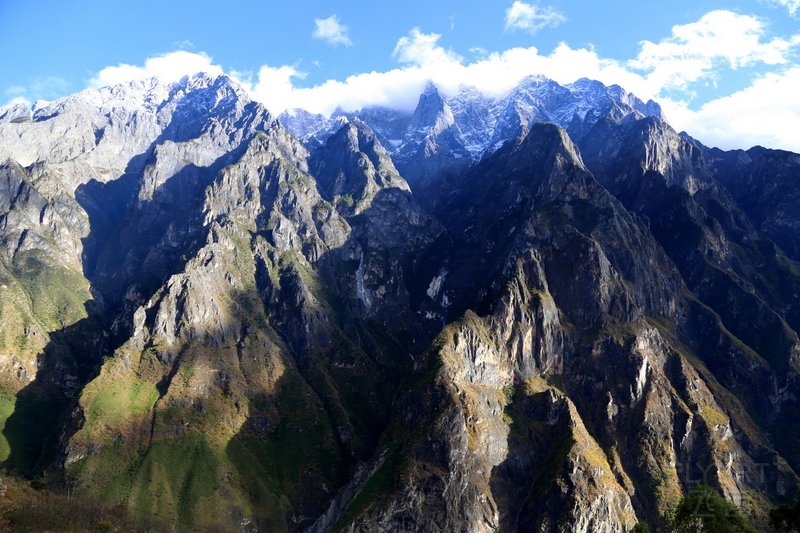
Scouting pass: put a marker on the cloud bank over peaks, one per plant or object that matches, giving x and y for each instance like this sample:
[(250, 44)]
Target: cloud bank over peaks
[(421, 60), (169, 68), (667, 71), (766, 112)]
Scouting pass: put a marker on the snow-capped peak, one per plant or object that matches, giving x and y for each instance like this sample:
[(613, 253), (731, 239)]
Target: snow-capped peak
[(469, 125)]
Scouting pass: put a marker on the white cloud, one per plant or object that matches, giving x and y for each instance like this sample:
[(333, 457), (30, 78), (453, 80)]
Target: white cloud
[(332, 31), (168, 67), (531, 18), (766, 113), (422, 59), (419, 48), (273, 86), (720, 39), (18, 100), (793, 6), (276, 89)]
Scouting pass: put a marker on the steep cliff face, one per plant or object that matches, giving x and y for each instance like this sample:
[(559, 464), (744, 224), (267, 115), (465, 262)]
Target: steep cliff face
[(515, 436), (764, 184), (352, 167), (208, 322), (86, 184), (47, 342), (233, 364), (390, 235), (722, 257)]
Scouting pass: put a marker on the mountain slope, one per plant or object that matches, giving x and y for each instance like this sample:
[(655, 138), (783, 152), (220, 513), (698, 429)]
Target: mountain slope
[(544, 311), (764, 184), (510, 413)]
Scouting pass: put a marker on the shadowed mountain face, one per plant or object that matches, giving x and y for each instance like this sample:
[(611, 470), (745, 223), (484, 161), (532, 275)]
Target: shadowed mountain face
[(545, 311)]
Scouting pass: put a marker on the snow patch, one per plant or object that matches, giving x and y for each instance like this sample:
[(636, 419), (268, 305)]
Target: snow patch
[(436, 285), (361, 289), (641, 378)]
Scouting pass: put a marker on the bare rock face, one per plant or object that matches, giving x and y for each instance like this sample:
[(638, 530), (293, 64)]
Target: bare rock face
[(390, 230), (353, 166), (671, 181), (770, 203), (558, 326), (548, 410)]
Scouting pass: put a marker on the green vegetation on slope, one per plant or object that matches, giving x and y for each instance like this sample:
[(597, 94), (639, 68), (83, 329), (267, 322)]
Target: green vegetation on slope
[(57, 295), (7, 401), (705, 510)]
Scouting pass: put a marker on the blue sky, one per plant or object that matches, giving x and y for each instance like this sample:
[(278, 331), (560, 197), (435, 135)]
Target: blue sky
[(725, 72)]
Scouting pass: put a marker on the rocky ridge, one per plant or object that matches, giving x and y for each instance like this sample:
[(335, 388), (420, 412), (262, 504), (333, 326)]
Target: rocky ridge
[(460, 318)]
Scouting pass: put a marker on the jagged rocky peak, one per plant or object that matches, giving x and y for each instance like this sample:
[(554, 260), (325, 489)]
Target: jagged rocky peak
[(446, 133), (302, 123), (146, 94), (216, 95), (656, 147), (432, 114), (151, 92), (546, 149), (773, 203), (539, 91), (648, 109), (594, 91), (353, 166), (470, 124), (18, 112), (313, 129), (542, 177), (98, 133), (544, 136)]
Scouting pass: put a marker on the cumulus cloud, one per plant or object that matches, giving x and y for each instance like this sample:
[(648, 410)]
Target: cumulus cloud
[(766, 113), (419, 48), (531, 18), (332, 31), (423, 59), (276, 89), (168, 67), (720, 39)]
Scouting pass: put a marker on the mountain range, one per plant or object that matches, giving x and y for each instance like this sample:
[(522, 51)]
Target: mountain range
[(545, 311)]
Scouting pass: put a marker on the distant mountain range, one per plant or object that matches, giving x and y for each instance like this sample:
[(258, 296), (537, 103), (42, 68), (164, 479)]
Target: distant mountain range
[(452, 132)]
